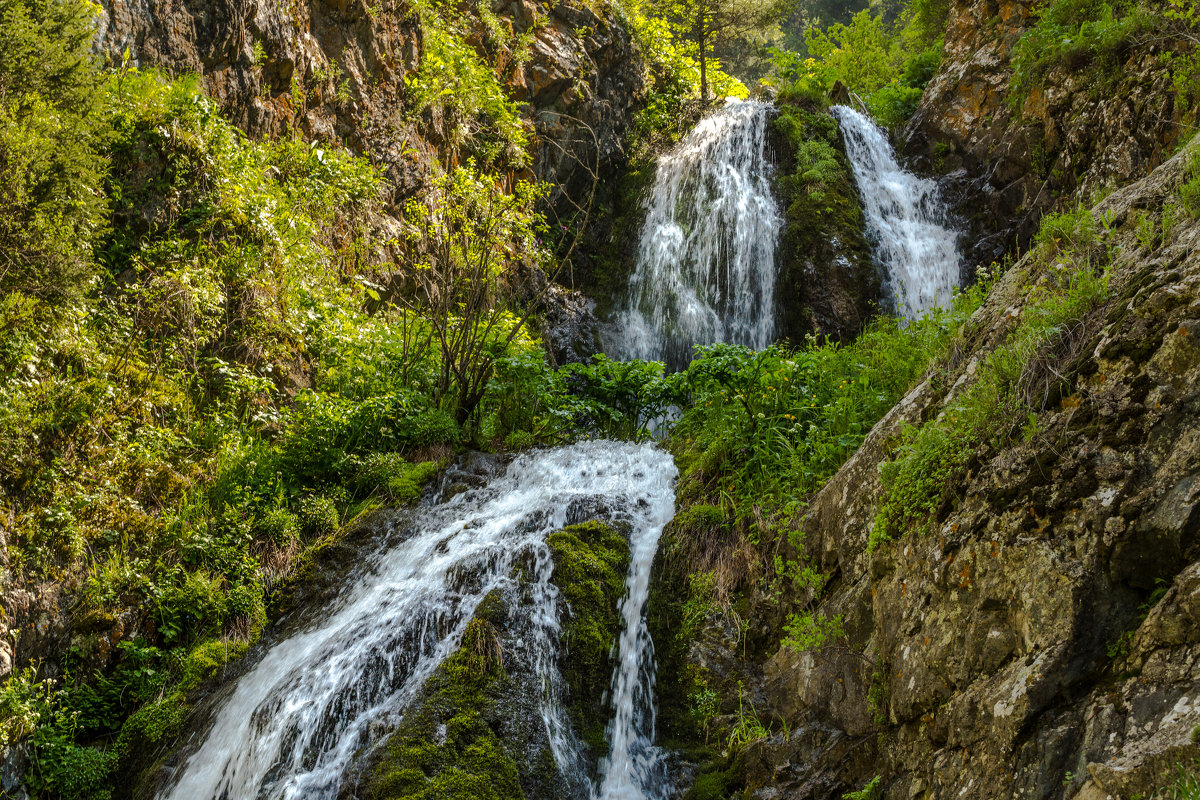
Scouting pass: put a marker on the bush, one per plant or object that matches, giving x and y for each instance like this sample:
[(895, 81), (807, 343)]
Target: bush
[(318, 516)]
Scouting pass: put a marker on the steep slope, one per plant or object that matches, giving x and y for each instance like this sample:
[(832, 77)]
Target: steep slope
[(1091, 120), (1032, 632)]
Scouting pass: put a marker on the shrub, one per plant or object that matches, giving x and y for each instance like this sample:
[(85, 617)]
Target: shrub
[(318, 516)]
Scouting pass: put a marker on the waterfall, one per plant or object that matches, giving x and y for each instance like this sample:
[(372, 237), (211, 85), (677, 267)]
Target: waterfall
[(295, 721), (705, 269), (905, 219)]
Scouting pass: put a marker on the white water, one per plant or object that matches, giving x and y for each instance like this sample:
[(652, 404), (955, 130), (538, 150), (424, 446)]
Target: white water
[(905, 217), (705, 269), (292, 724)]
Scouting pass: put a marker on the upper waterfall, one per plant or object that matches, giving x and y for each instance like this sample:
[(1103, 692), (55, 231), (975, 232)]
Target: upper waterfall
[(905, 218), (705, 269)]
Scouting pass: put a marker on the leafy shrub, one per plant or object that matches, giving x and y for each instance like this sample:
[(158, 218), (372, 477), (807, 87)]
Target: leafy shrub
[(196, 605), (318, 516), (454, 77), (1189, 190)]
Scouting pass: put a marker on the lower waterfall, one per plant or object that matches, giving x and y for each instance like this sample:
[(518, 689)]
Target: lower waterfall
[(292, 725)]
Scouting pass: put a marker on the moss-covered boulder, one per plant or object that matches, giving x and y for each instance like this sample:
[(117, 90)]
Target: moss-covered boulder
[(450, 746), (476, 729), (590, 564), (828, 282)]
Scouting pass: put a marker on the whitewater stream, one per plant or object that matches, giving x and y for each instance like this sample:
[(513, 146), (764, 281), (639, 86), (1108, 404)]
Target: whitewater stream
[(705, 269), (906, 220), (292, 725)]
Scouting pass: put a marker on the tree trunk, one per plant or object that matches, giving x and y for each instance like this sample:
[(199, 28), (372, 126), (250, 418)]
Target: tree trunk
[(702, 46)]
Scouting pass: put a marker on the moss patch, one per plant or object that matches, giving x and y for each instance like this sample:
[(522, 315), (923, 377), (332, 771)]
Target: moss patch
[(449, 746), (828, 282), (590, 563)]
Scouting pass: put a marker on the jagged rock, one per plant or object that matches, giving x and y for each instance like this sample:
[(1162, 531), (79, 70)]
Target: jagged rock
[(335, 70), (1005, 653), (1065, 139)]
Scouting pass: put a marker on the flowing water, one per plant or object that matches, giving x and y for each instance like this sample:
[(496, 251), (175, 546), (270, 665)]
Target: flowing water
[(905, 217), (292, 725), (705, 269)]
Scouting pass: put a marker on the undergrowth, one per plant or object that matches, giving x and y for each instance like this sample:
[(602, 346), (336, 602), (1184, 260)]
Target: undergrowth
[(1012, 384)]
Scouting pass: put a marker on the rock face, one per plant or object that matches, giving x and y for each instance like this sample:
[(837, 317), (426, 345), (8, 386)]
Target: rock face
[(335, 70), (1042, 639), (1076, 133), (829, 285)]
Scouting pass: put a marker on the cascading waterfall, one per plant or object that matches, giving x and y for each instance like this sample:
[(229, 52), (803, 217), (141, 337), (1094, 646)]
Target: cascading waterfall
[(293, 723), (905, 218), (705, 269)]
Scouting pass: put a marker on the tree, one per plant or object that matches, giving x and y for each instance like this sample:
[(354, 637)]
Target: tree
[(707, 23), (51, 203)]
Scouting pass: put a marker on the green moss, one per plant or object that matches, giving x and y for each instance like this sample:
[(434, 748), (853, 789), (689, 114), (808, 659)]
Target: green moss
[(394, 478), (715, 785), (590, 562), (449, 747), (207, 659), (144, 733)]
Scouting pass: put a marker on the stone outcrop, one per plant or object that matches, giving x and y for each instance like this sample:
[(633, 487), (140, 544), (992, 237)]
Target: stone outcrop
[(1011, 157), (335, 69), (1042, 639)]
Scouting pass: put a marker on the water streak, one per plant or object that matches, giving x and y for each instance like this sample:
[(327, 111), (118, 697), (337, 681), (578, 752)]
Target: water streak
[(294, 722), (705, 269), (906, 219)]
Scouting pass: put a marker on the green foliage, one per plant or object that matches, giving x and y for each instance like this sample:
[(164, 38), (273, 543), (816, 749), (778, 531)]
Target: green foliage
[(1010, 385), (1185, 786), (808, 632), (1189, 190), (774, 425), (869, 791), (51, 206), (398, 481), (883, 66), (24, 703), (747, 727), (473, 105), (619, 399), (705, 25)]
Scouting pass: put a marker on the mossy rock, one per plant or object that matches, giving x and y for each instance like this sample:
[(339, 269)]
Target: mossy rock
[(828, 281), (590, 564), (449, 746)]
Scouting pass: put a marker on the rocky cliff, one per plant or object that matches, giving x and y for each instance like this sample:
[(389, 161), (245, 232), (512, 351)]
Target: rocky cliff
[(335, 71), (1014, 153), (1038, 636)]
